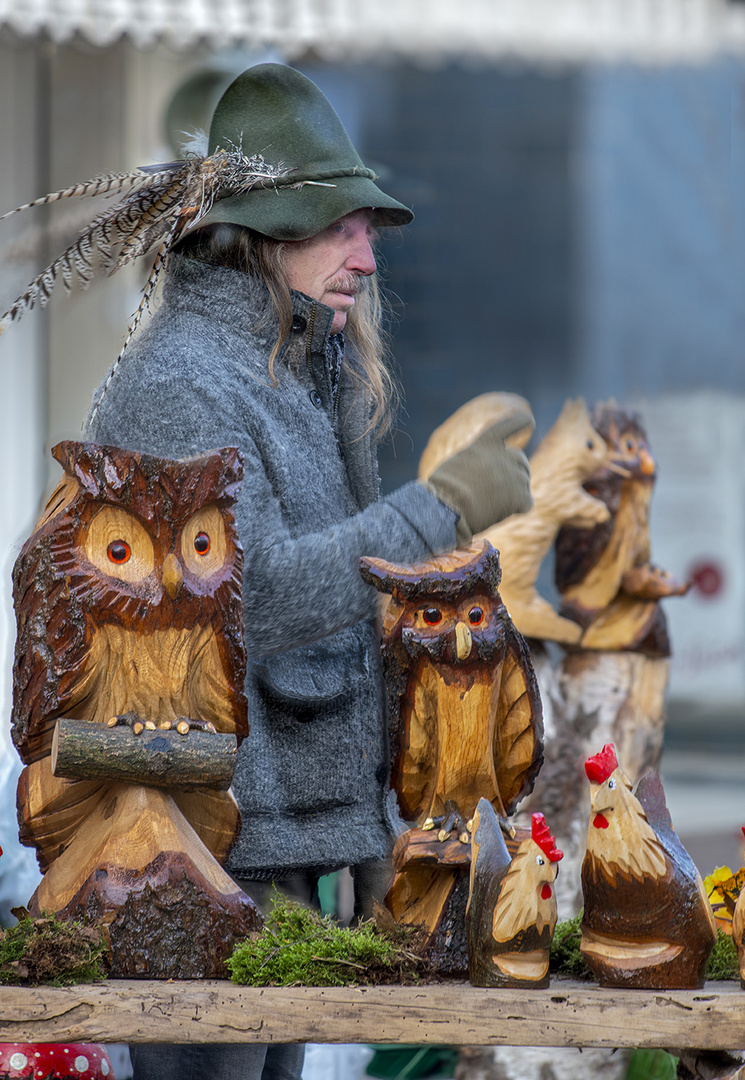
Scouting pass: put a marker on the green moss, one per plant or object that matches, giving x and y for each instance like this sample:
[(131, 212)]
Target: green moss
[(298, 946), (46, 949), (723, 962), (566, 959)]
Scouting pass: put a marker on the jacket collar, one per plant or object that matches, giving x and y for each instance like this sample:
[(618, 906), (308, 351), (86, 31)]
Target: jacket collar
[(243, 302)]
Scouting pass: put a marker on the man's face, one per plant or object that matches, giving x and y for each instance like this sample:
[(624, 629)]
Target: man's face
[(328, 266)]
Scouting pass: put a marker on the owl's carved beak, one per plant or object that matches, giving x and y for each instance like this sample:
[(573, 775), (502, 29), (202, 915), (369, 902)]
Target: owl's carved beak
[(172, 576), (463, 641)]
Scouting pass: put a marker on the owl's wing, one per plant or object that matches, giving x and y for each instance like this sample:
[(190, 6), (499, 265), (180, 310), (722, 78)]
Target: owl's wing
[(52, 638), (518, 728), (411, 731)]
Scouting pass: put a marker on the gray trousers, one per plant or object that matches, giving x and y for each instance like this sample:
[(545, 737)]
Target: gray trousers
[(217, 1061), (230, 1061)]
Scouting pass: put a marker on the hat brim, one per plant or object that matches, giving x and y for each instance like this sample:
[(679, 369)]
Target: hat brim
[(297, 213)]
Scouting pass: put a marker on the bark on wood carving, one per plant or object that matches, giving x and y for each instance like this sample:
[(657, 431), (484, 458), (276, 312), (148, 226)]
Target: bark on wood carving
[(464, 712), (157, 756), (511, 913), (129, 610), (647, 921)]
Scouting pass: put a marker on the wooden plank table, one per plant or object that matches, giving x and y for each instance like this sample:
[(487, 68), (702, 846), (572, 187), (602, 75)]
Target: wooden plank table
[(215, 1011)]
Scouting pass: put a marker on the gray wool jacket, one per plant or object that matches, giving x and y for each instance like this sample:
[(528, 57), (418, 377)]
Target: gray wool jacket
[(311, 776)]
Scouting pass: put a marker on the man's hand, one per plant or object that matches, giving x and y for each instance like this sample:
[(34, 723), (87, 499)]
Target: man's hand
[(487, 481)]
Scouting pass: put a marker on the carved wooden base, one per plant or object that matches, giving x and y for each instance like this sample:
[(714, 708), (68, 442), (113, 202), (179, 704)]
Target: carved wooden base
[(165, 921), (167, 908), (430, 890), (435, 899)]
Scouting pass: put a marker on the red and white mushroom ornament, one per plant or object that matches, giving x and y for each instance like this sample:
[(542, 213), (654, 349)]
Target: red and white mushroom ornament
[(55, 1061)]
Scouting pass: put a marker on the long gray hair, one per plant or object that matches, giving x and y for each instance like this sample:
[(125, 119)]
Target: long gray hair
[(242, 249)]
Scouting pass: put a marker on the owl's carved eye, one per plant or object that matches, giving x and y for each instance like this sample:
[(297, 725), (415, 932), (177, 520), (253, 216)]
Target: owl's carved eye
[(202, 543), (432, 616), (119, 551), (476, 616), (119, 545)]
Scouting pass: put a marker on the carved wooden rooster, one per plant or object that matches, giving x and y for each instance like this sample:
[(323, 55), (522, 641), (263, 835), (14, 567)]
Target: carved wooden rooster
[(647, 920), (511, 913)]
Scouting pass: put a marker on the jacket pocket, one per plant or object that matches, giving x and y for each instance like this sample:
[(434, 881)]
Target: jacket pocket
[(317, 720)]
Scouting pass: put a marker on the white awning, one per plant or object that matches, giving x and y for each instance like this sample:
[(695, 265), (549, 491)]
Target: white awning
[(424, 30)]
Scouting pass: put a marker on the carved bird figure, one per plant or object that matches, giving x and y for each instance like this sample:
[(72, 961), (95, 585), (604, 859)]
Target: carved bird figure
[(603, 571), (464, 706), (511, 913), (647, 921), (129, 609)]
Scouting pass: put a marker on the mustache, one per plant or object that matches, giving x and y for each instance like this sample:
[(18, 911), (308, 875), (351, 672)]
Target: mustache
[(348, 283)]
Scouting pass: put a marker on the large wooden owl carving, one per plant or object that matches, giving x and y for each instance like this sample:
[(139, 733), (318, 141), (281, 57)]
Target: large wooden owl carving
[(128, 605), (464, 705)]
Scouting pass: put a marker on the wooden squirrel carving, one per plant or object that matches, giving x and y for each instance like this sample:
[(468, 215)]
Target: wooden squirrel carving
[(647, 921), (571, 452), (603, 571), (130, 615), (511, 913)]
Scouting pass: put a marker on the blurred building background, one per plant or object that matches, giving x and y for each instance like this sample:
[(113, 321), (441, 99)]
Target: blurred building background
[(577, 170)]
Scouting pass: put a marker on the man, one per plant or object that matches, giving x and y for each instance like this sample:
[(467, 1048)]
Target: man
[(268, 338)]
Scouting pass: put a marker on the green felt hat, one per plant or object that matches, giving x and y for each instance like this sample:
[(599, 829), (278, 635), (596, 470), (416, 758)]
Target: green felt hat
[(276, 112)]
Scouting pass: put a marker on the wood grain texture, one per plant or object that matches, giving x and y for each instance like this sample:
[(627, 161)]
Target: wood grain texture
[(454, 1013)]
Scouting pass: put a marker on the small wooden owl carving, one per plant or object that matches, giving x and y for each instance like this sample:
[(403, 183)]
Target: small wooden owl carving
[(128, 605), (465, 711), (465, 724)]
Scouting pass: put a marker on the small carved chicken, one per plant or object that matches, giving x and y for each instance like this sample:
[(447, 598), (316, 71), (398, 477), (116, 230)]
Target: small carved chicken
[(128, 604), (511, 913), (647, 920), (603, 572)]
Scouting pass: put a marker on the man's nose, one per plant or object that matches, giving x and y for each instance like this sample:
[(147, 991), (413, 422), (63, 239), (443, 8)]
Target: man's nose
[(361, 258)]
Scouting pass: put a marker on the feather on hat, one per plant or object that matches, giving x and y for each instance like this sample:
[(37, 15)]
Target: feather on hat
[(273, 133)]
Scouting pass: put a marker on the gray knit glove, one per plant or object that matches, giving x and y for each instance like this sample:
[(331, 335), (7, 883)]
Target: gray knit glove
[(487, 481)]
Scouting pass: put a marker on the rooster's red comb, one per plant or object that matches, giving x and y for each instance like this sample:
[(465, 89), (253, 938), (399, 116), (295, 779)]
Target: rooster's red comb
[(600, 766), (544, 839)]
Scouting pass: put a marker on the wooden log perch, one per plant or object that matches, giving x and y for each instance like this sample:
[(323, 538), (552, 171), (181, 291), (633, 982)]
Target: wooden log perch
[(82, 750)]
